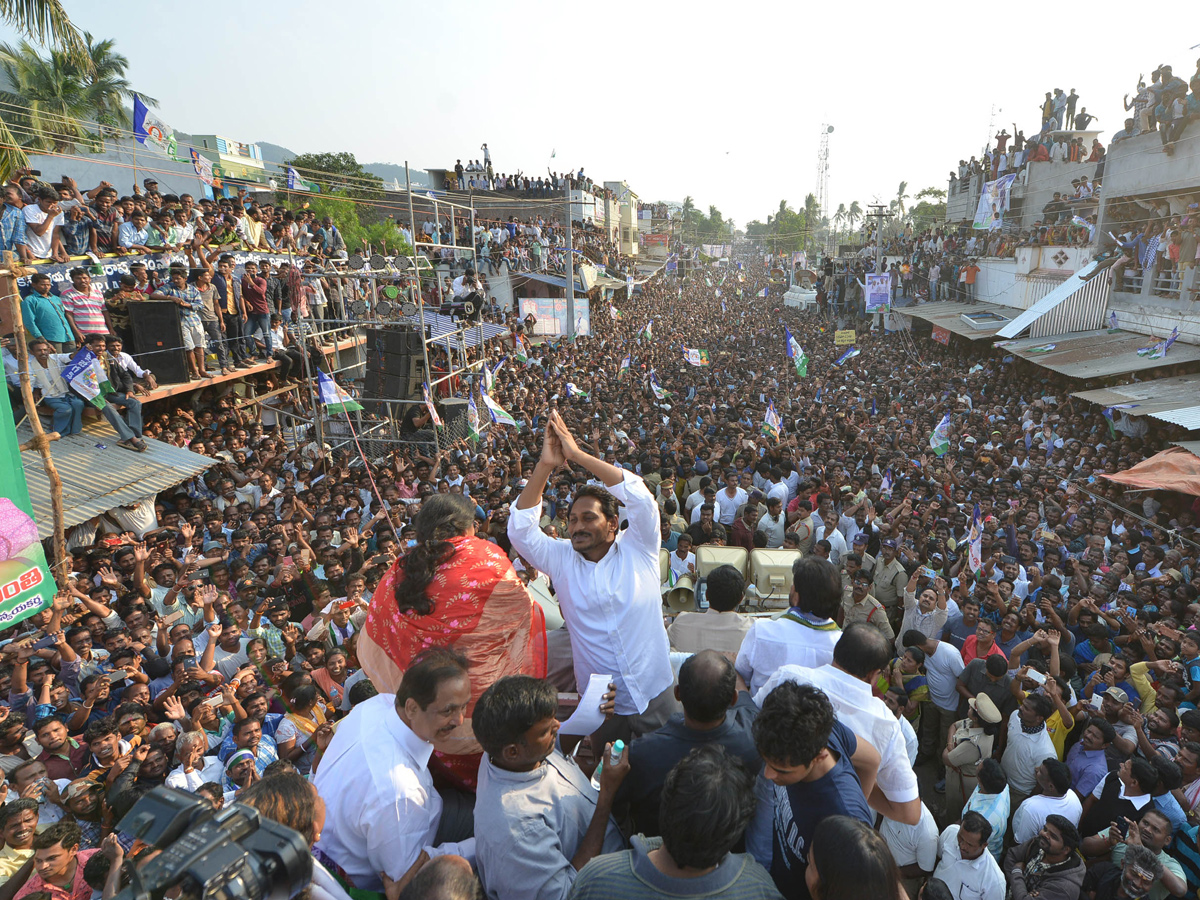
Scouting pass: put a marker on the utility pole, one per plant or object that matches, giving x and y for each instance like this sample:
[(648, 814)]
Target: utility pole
[(878, 215), (570, 265)]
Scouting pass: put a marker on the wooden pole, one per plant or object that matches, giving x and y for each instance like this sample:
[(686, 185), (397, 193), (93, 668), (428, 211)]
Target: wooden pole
[(41, 440)]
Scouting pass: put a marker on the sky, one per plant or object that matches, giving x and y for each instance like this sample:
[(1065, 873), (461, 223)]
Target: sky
[(722, 102)]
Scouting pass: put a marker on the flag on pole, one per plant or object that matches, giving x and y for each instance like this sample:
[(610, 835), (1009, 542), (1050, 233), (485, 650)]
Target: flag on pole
[(473, 423), (659, 393), (614, 312), (573, 391), (151, 131), (873, 410), (696, 357), (1108, 419), (718, 293), (763, 292), (975, 540), (626, 363), (429, 405), (497, 412), (1112, 322), (796, 353), (849, 354), (648, 332), (885, 483), (940, 439), (334, 397), (86, 377), (772, 423), (202, 167), (723, 304)]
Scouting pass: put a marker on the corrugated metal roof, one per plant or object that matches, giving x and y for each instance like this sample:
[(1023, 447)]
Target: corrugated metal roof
[(95, 480), (951, 317), (440, 326), (1050, 300), (1190, 446), (1096, 354), (1171, 400)]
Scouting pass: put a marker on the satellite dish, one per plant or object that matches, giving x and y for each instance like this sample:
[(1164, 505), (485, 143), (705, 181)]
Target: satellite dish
[(829, 129)]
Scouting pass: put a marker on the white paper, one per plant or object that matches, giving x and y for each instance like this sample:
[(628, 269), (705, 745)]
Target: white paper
[(587, 716)]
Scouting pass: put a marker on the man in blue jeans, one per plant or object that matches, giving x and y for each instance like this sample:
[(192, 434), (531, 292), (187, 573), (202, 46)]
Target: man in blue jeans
[(129, 433), (45, 370)]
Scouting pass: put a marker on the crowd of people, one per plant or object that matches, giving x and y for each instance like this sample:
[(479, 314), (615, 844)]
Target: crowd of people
[(372, 650)]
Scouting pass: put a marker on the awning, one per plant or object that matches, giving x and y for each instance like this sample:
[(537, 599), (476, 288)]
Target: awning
[(974, 321), (1175, 400), (95, 480), (554, 280), (1081, 280), (440, 326), (1174, 469), (1096, 354)]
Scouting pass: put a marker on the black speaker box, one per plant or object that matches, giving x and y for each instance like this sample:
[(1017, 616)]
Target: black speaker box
[(158, 340), (400, 340)]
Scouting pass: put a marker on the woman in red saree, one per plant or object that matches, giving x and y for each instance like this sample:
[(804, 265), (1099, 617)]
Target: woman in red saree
[(453, 590)]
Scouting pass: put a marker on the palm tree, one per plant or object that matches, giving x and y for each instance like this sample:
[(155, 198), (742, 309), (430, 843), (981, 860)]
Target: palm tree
[(854, 213), (46, 22), (839, 217), (53, 95), (901, 196), (108, 88)]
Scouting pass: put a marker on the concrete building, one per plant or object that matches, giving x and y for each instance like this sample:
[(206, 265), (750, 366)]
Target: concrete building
[(627, 200)]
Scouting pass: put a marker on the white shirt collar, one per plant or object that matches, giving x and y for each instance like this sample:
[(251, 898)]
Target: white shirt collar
[(420, 750)]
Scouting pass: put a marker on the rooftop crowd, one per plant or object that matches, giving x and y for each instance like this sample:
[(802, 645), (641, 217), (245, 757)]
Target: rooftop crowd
[(371, 651)]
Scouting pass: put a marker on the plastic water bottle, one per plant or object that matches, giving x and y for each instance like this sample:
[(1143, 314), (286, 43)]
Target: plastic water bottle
[(614, 757)]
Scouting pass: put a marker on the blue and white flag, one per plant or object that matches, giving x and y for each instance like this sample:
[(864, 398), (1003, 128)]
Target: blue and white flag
[(763, 292), (849, 354), (885, 483), (151, 131), (498, 414), (1159, 350), (873, 411), (975, 540), (1112, 321), (940, 439)]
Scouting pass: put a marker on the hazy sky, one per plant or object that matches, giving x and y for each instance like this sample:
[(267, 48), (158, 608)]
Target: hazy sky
[(722, 101)]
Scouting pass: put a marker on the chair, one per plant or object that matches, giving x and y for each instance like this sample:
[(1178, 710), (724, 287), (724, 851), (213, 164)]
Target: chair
[(770, 578)]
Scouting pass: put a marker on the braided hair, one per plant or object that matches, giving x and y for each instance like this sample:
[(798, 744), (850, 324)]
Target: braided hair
[(442, 517)]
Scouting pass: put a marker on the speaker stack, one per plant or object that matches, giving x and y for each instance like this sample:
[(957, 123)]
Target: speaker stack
[(158, 340), (395, 367)]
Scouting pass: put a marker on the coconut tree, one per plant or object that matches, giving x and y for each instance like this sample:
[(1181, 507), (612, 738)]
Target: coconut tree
[(901, 196), (854, 213), (45, 22), (55, 112), (839, 217), (107, 87)]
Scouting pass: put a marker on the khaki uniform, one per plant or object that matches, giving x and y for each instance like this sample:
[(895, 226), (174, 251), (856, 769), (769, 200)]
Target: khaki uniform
[(971, 747), (870, 611), (890, 579)]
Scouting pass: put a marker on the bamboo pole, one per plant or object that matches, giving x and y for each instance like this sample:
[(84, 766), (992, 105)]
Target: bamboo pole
[(41, 440)]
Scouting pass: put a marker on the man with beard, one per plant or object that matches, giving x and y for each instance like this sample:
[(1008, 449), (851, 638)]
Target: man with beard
[(1047, 866)]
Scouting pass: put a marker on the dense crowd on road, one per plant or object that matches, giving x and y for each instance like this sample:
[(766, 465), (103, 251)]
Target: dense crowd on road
[(372, 650)]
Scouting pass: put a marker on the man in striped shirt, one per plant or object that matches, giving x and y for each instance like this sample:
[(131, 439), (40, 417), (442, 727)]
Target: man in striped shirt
[(84, 306)]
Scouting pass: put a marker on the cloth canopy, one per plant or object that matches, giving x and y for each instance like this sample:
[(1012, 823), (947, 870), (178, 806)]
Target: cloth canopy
[(1174, 469)]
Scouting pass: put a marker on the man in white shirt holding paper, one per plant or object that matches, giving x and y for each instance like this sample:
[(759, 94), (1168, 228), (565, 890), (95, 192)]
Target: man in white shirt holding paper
[(607, 581)]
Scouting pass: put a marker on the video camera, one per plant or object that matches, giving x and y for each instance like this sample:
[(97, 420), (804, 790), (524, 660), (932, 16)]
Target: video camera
[(231, 854)]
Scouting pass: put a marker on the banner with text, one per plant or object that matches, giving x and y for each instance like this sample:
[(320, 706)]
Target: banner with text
[(993, 203), (25, 582), (879, 291)]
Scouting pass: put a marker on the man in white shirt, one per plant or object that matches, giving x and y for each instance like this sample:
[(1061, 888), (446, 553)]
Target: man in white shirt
[(943, 664), (829, 532), (773, 523), (965, 866), (383, 814), (1029, 743), (607, 581), (805, 635), (860, 654), (1056, 798), (732, 498), (45, 371), (43, 219), (914, 847)]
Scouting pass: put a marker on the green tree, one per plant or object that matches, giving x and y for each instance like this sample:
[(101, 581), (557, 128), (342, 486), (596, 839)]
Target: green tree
[(338, 173), (108, 89), (901, 196), (53, 98), (45, 22), (839, 217), (358, 223), (930, 209), (854, 213)]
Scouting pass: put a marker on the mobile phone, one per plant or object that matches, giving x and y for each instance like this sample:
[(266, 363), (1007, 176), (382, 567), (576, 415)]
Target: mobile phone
[(213, 701), (44, 643), (190, 663), (287, 561), (1037, 676), (1104, 670), (1132, 611), (172, 618)]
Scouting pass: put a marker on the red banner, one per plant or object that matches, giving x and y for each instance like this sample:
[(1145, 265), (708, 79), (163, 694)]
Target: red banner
[(941, 335), (655, 240)]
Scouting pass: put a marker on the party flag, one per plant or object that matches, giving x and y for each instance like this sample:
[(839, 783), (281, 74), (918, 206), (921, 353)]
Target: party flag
[(334, 396), (849, 354), (940, 439), (497, 412), (772, 423), (431, 406)]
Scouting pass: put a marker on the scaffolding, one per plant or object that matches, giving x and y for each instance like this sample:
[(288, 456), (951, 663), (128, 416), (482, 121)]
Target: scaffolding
[(392, 297)]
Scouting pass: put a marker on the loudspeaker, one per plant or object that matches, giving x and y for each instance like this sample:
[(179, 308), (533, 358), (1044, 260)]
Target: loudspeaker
[(158, 340), (402, 340), (454, 414)]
